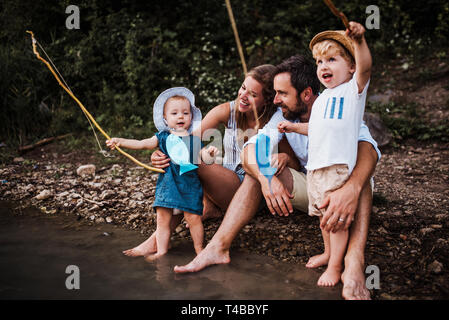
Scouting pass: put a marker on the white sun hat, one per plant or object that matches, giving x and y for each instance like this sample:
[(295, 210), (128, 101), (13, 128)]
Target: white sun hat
[(158, 108)]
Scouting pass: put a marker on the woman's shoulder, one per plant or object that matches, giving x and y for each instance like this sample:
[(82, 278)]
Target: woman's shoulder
[(219, 113)]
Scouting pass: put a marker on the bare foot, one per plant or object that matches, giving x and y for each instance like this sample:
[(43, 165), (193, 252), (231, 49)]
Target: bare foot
[(209, 256), (318, 260), (154, 256), (210, 210), (330, 277), (354, 286), (145, 248)]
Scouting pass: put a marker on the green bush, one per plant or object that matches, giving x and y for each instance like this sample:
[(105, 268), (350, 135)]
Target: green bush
[(127, 52)]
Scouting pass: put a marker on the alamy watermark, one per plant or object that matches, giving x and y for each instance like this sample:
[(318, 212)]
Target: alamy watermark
[(373, 20), (73, 20), (373, 280), (72, 282)]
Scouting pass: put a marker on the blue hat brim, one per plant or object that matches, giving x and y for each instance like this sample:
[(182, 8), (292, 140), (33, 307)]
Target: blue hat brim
[(158, 108)]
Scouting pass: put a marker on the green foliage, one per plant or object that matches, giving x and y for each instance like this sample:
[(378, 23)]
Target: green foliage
[(407, 121), (127, 52)]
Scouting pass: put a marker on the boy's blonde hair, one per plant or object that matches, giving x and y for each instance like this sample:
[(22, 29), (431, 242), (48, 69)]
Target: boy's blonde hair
[(330, 47)]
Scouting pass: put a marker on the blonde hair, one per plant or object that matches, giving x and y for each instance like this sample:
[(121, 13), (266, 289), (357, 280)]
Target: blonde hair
[(329, 47)]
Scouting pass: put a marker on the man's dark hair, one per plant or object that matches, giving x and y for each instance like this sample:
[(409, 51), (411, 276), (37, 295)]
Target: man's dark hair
[(302, 73)]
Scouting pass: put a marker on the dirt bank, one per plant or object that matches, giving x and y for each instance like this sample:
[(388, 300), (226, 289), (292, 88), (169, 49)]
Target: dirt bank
[(408, 238)]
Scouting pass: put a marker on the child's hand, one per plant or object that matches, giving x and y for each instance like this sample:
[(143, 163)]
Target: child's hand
[(113, 142), (213, 151), (286, 127), (356, 31), (208, 154)]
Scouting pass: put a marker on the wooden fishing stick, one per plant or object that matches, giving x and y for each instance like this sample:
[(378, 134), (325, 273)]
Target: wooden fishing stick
[(236, 35), (337, 13), (242, 56), (33, 41)]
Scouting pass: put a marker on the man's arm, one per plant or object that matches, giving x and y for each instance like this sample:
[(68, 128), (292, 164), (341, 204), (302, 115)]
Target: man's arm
[(277, 197), (343, 202)]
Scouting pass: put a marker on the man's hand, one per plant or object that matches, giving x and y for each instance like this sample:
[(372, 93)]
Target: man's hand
[(341, 207), (160, 160), (278, 201)]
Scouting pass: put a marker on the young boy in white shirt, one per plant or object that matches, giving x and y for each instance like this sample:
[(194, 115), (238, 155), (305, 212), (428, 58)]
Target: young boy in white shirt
[(344, 67)]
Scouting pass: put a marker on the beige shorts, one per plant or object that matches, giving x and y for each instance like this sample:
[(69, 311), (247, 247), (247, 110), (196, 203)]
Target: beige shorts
[(300, 200), (323, 181)]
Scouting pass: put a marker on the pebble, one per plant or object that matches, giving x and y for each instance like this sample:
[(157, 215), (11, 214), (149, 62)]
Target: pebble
[(45, 194), (435, 267), (425, 231), (138, 196), (99, 220), (88, 169), (107, 194)]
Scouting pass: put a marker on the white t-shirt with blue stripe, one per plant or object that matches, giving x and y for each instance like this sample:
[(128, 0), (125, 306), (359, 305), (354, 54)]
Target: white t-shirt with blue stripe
[(334, 126)]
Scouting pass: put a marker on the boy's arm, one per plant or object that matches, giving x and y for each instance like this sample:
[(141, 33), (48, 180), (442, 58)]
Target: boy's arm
[(362, 54), (298, 127), (150, 143)]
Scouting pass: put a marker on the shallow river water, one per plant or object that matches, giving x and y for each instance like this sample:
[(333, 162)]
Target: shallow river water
[(36, 249)]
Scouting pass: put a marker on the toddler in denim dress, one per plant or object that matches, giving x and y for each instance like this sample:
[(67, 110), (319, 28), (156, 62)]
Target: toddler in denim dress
[(179, 188)]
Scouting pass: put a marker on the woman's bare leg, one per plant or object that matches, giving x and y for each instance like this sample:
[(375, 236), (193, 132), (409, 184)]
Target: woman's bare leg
[(219, 184)]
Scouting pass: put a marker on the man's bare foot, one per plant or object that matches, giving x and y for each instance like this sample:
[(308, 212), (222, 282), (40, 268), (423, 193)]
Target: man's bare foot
[(330, 277), (318, 260), (354, 286), (145, 248), (209, 256)]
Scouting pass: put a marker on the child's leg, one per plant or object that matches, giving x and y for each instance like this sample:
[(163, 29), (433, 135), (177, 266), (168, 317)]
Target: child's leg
[(196, 230), (149, 246), (321, 259), (163, 232), (338, 244)]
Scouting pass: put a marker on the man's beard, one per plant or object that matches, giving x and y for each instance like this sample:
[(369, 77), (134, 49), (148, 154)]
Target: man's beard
[(300, 109)]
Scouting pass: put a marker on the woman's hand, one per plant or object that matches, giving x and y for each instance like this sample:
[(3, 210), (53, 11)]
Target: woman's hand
[(160, 160)]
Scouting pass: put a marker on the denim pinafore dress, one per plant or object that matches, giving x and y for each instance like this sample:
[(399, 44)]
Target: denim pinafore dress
[(183, 192)]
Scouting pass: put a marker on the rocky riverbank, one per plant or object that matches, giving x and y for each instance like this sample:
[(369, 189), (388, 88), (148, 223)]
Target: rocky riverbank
[(408, 238)]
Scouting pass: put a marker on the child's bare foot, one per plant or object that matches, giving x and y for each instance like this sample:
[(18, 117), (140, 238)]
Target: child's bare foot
[(154, 256), (318, 260), (330, 277), (147, 247)]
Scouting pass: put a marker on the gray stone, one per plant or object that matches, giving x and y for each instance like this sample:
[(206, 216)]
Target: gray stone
[(377, 129), (86, 170), (45, 194)]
